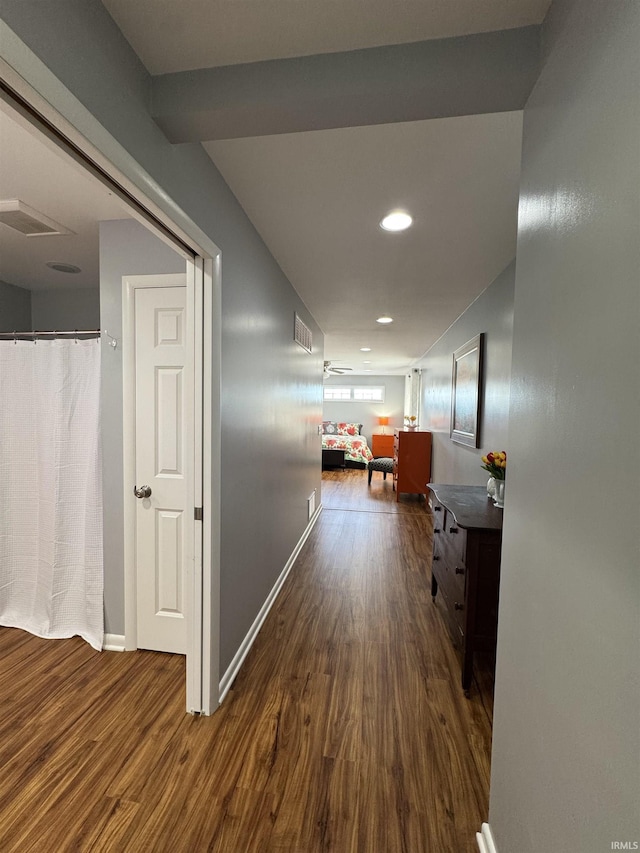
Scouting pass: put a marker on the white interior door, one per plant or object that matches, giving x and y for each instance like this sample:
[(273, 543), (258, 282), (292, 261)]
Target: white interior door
[(163, 462)]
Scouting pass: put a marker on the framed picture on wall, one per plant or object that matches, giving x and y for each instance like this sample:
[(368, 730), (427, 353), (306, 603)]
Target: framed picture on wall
[(466, 392)]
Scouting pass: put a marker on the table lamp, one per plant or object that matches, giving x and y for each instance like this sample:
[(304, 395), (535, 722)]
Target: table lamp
[(383, 420)]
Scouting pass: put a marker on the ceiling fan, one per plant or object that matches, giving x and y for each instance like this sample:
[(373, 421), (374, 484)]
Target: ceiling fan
[(329, 371)]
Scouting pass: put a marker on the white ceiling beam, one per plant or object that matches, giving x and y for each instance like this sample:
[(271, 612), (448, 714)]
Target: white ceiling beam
[(468, 75)]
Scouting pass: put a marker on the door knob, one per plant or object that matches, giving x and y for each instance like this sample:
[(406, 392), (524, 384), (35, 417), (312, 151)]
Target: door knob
[(142, 492)]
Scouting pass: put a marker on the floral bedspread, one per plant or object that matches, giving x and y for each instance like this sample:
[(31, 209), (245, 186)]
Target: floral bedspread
[(355, 447)]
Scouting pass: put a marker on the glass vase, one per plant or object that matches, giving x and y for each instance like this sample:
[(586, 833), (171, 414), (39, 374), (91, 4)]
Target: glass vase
[(498, 497)]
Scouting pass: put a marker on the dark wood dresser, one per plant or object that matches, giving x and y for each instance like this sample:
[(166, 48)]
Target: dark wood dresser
[(467, 540)]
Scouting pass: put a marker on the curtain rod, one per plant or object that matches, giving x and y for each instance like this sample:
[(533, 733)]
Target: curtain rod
[(56, 333)]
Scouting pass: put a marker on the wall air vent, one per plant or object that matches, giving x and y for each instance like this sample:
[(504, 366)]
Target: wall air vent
[(19, 216), (302, 334)]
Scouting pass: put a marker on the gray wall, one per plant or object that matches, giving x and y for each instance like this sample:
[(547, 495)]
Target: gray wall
[(15, 308), (271, 450), (566, 735), (271, 389), (126, 248), (71, 308), (65, 309), (491, 313), (368, 413)]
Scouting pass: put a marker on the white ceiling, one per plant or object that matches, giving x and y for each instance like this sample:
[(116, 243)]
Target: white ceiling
[(34, 171), (317, 199), (179, 36)]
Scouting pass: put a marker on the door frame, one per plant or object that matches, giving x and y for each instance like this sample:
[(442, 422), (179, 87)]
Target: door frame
[(42, 102)]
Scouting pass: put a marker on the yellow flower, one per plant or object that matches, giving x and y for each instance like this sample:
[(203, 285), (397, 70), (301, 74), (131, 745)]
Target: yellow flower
[(495, 463)]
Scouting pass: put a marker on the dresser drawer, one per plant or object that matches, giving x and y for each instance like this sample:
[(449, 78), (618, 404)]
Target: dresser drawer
[(382, 445), (454, 595), (439, 513), (452, 577), (453, 541), (453, 600), (448, 562), (450, 542)]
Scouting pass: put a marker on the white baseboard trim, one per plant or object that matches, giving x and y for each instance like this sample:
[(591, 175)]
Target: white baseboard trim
[(485, 841), (113, 643), (228, 678)]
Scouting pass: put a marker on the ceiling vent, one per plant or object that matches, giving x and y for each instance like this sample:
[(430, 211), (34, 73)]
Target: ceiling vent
[(302, 334), (19, 216)]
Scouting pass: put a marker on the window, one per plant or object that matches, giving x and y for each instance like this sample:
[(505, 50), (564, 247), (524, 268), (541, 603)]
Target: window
[(337, 392), (369, 393), (354, 393)]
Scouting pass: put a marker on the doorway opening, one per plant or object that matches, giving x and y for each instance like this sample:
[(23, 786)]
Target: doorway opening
[(46, 170)]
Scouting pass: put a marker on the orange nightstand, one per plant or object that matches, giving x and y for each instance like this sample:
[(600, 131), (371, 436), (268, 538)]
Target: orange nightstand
[(382, 445)]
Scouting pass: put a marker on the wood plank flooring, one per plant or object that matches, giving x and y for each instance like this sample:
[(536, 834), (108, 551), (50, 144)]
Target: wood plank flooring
[(346, 729)]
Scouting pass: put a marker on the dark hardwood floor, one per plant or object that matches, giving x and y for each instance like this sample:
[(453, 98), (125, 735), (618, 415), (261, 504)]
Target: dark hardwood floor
[(346, 729)]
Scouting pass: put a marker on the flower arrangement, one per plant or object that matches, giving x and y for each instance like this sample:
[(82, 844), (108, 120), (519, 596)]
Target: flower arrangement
[(410, 420), (496, 464)]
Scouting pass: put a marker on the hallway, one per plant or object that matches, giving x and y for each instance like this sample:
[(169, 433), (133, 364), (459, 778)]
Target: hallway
[(346, 729)]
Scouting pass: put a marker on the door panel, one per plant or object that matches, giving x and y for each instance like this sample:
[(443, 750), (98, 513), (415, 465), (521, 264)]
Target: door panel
[(169, 408), (162, 373)]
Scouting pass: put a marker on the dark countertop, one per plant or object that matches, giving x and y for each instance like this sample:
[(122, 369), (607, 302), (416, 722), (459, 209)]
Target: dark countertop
[(470, 505)]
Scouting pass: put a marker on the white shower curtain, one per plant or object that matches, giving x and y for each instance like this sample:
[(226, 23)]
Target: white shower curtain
[(51, 567)]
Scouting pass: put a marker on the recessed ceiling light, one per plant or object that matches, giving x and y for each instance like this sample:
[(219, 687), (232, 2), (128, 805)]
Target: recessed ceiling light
[(365, 349), (70, 268), (397, 220), (368, 370), (366, 362), (384, 320)]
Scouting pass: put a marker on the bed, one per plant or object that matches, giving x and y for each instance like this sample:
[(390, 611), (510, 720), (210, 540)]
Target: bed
[(347, 437)]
